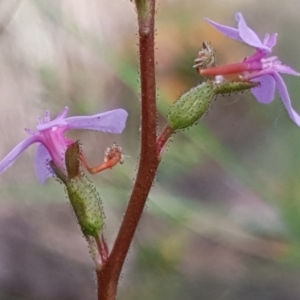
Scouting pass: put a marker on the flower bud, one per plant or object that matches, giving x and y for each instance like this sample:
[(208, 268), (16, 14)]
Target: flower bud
[(82, 193), (191, 106), (86, 203)]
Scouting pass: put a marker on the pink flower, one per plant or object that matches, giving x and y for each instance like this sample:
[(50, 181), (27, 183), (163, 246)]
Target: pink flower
[(50, 136), (259, 67)]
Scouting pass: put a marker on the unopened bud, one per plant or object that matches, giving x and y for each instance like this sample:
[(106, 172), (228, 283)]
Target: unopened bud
[(86, 203), (82, 193), (191, 106)]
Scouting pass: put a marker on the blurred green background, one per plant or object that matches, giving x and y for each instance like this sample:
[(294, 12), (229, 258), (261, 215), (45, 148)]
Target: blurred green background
[(223, 217)]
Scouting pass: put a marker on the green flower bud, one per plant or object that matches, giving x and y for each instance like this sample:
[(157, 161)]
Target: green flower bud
[(82, 193), (86, 203), (191, 106)]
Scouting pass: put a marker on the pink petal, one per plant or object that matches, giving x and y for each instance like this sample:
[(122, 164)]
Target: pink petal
[(41, 164), (270, 40), (285, 69), (248, 35), (12, 156), (111, 121), (230, 32), (59, 121), (284, 95), (264, 93), (63, 113)]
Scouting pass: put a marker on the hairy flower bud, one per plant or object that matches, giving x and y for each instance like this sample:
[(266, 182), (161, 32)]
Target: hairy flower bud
[(82, 193), (86, 203), (193, 104)]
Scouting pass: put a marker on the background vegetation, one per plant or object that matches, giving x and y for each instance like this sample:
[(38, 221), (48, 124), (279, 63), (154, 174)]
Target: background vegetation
[(223, 218)]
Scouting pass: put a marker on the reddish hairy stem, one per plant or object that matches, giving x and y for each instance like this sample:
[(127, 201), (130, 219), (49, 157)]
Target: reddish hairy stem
[(102, 248), (108, 276), (163, 138)]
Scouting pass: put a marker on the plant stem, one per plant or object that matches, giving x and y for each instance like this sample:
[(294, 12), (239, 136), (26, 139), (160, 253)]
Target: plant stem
[(102, 248), (108, 276), (163, 138)]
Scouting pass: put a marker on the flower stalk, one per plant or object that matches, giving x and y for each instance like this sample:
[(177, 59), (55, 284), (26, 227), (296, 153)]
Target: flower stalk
[(108, 276), (162, 140)]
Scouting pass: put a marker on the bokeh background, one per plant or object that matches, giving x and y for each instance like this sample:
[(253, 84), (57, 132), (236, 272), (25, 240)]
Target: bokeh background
[(223, 217)]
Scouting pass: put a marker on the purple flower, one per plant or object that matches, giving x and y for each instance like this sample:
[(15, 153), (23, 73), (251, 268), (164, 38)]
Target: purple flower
[(53, 143), (246, 35), (259, 67)]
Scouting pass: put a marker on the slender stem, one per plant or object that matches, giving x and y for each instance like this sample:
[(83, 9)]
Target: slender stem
[(94, 251), (102, 248), (163, 138), (108, 276)]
